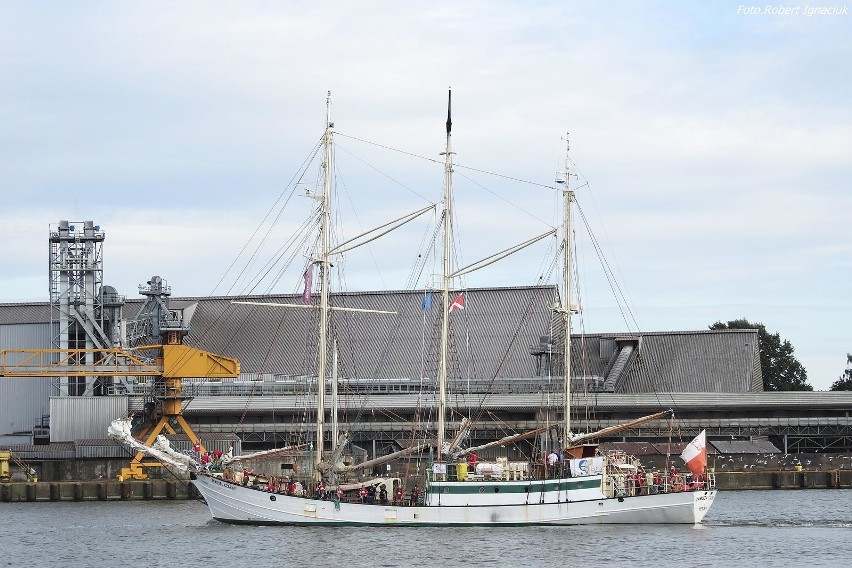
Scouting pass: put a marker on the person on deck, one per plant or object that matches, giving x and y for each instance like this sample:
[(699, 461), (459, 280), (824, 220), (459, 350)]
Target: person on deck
[(552, 459), (649, 483), (675, 480), (415, 496), (362, 493), (383, 495)]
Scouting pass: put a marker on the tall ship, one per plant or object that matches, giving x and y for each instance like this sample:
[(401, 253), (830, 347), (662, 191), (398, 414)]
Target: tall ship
[(572, 482)]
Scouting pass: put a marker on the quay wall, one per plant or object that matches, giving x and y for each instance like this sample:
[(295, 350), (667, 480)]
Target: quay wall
[(741, 480), (148, 490)]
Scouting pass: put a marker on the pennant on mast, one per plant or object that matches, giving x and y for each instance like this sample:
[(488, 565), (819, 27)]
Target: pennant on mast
[(449, 108), (309, 281)]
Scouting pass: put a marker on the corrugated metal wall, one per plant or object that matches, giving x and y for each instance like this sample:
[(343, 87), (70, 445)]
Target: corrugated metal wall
[(223, 442), (82, 417), (23, 401)]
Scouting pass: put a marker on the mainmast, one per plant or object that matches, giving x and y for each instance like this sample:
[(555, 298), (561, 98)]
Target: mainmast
[(566, 309), (324, 264), (445, 282)]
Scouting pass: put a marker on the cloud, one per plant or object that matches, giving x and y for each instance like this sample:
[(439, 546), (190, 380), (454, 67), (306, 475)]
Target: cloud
[(715, 146)]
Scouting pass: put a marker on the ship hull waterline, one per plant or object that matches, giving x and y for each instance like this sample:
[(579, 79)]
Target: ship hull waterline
[(231, 503)]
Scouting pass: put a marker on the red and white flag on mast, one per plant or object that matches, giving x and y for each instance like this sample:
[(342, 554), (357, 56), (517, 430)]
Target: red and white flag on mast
[(458, 303), (695, 454)]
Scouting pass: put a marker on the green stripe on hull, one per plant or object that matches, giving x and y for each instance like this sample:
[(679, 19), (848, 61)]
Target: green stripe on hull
[(466, 488)]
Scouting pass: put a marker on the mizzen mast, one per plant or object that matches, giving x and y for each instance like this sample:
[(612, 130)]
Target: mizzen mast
[(566, 310)]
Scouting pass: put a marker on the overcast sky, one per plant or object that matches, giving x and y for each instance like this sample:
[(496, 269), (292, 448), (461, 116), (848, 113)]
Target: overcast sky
[(714, 145)]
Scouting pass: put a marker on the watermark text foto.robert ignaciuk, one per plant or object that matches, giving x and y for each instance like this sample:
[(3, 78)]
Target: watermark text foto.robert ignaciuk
[(780, 10)]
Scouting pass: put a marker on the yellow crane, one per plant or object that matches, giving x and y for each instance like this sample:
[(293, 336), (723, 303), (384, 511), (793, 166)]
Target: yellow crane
[(7, 456), (168, 364)]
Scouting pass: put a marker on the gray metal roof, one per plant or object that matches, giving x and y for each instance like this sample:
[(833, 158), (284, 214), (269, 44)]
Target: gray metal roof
[(52, 451), (492, 334), (699, 361), (29, 312), (493, 337)]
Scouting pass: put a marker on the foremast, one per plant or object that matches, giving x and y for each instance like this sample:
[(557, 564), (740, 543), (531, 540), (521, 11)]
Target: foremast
[(445, 283), (323, 263)]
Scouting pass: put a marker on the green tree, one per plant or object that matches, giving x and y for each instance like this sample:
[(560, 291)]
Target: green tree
[(844, 383), (781, 371)]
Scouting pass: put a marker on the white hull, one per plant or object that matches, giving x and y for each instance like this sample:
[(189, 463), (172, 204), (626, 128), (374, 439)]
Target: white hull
[(232, 503)]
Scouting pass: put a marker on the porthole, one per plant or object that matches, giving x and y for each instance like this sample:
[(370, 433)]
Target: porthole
[(272, 497)]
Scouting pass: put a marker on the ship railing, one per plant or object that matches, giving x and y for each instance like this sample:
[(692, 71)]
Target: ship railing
[(633, 483)]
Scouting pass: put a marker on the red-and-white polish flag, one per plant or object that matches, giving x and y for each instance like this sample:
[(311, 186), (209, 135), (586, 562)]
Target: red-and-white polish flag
[(695, 454), (458, 303), (309, 281)]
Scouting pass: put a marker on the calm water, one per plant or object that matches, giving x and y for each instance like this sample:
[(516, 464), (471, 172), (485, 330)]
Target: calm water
[(763, 528)]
